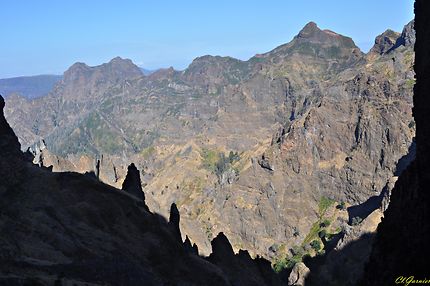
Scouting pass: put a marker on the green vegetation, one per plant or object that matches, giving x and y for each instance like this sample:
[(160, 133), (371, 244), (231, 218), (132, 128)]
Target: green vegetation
[(318, 232), (210, 158), (208, 232), (322, 223), (324, 204), (322, 233), (147, 152), (280, 264), (287, 262), (410, 83), (222, 164), (341, 206), (232, 157), (313, 233), (102, 136), (313, 242), (316, 245), (325, 223), (218, 162)]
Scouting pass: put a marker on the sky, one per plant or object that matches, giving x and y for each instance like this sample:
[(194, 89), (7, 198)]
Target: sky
[(48, 36)]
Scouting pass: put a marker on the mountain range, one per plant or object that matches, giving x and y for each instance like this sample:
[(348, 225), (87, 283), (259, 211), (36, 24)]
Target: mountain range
[(37, 85), (284, 153), (29, 86)]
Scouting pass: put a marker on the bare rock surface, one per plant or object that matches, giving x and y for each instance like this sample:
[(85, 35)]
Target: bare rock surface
[(298, 275)]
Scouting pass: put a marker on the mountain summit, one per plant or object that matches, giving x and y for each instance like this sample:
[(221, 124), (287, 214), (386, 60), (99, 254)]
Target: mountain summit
[(385, 42), (116, 69), (308, 29), (311, 33)]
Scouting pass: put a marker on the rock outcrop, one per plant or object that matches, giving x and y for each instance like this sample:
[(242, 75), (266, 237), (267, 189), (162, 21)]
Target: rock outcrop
[(10, 164), (9, 144), (298, 275), (174, 220), (408, 37), (132, 183), (385, 42), (241, 266), (78, 93), (344, 264)]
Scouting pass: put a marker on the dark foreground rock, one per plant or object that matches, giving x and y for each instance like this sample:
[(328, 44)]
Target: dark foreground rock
[(71, 229)]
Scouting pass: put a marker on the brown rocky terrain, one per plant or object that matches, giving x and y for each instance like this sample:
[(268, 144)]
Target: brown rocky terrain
[(76, 95), (71, 229), (262, 150)]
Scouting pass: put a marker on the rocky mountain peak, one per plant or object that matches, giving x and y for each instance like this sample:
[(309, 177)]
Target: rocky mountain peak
[(391, 40), (123, 65), (116, 69), (162, 73), (118, 59), (408, 35), (385, 42), (313, 34), (209, 70), (221, 246), (174, 220), (77, 68), (308, 30), (132, 183)]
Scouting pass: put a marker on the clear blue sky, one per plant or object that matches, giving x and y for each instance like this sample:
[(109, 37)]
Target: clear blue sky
[(46, 37)]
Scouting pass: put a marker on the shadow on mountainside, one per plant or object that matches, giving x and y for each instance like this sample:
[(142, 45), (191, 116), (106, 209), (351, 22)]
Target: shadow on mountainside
[(406, 159), (345, 265), (365, 209), (399, 248), (340, 267), (71, 229)]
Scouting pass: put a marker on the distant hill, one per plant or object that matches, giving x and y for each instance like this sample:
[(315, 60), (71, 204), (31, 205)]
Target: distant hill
[(147, 71), (29, 86)]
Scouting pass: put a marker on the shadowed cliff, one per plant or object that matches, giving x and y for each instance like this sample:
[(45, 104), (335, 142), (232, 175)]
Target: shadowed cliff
[(399, 247), (401, 244)]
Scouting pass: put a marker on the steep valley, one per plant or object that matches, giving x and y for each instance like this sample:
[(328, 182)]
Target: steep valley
[(264, 150)]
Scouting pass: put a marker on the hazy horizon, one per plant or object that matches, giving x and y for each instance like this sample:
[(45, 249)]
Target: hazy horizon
[(47, 38)]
